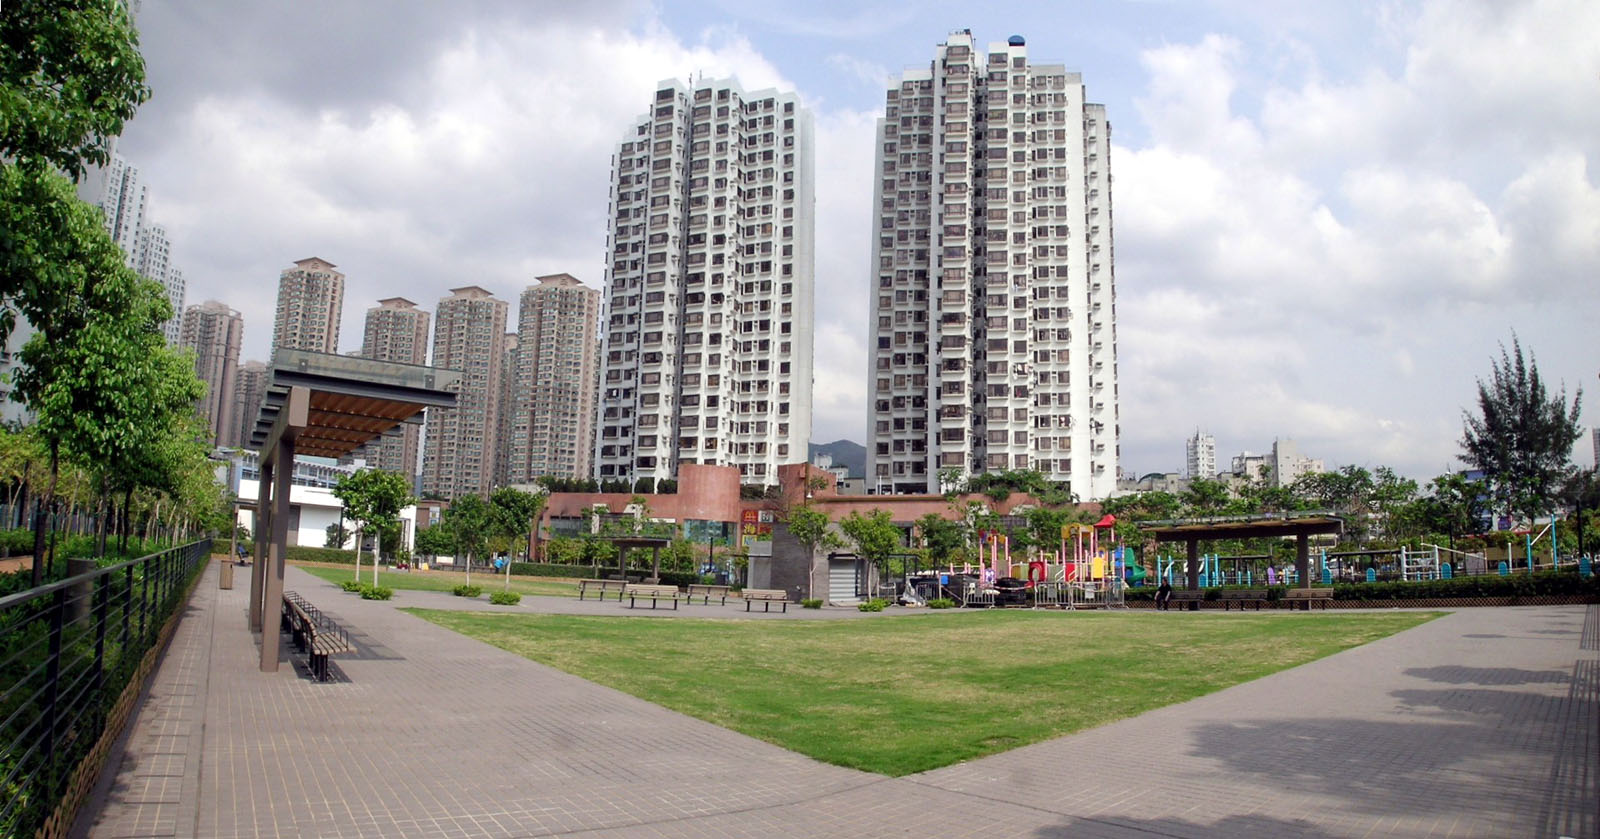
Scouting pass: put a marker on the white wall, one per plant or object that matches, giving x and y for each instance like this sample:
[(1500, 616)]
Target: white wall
[(318, 510)]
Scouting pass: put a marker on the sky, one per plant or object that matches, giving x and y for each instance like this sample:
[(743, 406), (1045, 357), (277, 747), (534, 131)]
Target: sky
[(1329, 216)]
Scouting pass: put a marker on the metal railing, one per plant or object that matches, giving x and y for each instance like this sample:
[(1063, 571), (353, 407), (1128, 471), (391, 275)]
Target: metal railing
[(68, 650)]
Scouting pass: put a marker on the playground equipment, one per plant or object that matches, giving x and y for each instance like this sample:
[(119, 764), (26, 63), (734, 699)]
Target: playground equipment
[(1419, 565), (1218, 570), (1092, 575)]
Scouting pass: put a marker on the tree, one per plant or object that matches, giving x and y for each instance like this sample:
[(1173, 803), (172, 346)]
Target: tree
[(811, 528), (1206, 497), (874, 535), (373, 499), (468, 521), (1581, 495), (435, 540), (97, 375), (1522, 436), (70, 76), (1454, 506), (940, 536), (514, 514), (337, 536), (1044, 527)]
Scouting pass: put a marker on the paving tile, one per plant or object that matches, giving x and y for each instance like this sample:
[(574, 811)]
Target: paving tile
[(1483, 723)]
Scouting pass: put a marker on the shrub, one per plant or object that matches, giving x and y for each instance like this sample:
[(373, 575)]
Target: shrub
[(306, 553), (467, 591), (941, 603), (874, 605), (1488, 585), (376, 592), (681, 578), (504, 598), (541, 569), (352, 585), (811, 603)]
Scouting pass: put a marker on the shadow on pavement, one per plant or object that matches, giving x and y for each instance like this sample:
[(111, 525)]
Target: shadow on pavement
[(1254, 826), (1488, 676)]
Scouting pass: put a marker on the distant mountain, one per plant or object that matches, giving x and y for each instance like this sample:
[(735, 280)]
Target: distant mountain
[(844, 453)]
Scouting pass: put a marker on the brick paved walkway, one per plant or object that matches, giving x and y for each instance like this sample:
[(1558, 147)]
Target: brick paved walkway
[(1483, 723)]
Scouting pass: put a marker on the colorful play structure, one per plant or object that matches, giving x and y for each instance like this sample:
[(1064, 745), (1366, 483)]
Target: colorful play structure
[(1088, 570)]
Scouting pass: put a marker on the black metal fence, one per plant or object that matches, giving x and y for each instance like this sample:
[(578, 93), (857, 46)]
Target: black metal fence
[(68, 652)]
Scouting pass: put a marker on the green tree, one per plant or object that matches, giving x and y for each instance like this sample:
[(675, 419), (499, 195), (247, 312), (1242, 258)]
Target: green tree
[(70, 76), (98, 376), (373, 499), (811, 528), (1044, 527), (1206, 497), (436, 540), (1454, 506), (1522, 436), (468, 521), (940, 536), (514, 514), (1581, 496), (873, 534), (337, 536), (1391, 499)]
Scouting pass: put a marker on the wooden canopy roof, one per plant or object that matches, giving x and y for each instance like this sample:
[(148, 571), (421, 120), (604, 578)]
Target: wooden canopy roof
[(1243, 527), (349, 401)]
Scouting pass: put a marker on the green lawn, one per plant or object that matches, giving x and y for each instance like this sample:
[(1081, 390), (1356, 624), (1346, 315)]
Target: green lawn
[(908, 694), (442, 580)]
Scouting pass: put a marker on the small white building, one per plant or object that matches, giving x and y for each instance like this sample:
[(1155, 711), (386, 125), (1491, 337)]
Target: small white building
[(313, 508)]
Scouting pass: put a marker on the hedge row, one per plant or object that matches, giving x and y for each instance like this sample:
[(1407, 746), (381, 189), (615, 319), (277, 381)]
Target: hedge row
[(1489, 585), (306, 553)]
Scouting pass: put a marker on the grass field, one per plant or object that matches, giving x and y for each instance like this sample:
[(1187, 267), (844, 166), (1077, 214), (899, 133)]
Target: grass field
[(441, 580), (914, 693)]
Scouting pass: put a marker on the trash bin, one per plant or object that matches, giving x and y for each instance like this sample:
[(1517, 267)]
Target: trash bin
[(226, 580)]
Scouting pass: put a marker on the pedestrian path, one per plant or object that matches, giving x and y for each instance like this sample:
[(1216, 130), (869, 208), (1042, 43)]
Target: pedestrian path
[(1483, 723)]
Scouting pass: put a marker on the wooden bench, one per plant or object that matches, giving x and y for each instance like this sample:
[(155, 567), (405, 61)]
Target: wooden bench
[(1308, 596), (314, 633), (600, 587), (1229, 597), (767, 596), (639, 591), (706, 592), (1181, 596)]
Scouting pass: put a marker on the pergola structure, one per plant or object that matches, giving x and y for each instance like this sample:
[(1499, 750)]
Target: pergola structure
[(628, 543), (1192, 532), (324, 406)]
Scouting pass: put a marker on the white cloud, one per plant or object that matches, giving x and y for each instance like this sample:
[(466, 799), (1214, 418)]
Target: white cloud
[(1336, 262), (869, 73)]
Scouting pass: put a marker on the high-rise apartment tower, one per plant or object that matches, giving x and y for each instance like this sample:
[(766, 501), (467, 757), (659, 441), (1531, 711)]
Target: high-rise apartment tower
[(215, 333), (310, 302), (248, 392), (1201, 451), (993, 303), (469, 335), (553, 390), (707, 333), (396, 330), (153, 260)]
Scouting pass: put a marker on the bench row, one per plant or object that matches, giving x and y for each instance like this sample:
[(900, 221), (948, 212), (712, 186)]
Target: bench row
[(1228, 597), (634, 592)]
